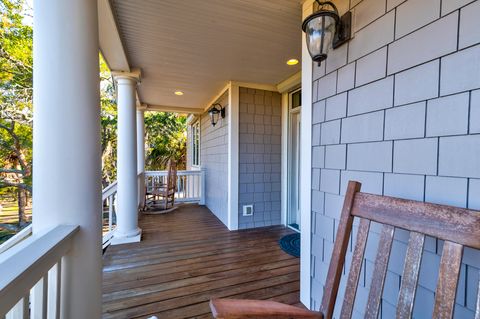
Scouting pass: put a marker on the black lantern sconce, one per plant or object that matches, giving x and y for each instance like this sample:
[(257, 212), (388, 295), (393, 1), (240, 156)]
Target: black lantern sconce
[(215, 112), (325, 29)]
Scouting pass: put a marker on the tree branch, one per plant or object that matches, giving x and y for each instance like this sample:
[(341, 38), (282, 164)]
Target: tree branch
[(4, 183), (11, 170), (17, 148)]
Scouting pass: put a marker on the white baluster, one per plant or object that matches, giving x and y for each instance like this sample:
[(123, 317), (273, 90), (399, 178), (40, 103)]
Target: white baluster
[(20, 310), (110, 212), (54, 287), (179, 179), (39, 299), (202, 188)]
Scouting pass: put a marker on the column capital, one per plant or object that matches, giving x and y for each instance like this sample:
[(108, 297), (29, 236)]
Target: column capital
[(142, 107), (134, 75)]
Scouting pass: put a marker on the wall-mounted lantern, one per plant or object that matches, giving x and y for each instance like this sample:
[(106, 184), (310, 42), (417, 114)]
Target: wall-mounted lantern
[(215, 113), (325, 29)]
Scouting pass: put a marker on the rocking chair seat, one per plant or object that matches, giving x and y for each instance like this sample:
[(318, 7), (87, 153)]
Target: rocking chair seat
[(264, 309)]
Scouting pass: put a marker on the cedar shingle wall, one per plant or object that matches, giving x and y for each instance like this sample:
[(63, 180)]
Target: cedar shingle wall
[(398, 109), (260, 157)]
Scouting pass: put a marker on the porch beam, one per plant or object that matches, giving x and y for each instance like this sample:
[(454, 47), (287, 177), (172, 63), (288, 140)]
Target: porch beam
[(174, 109), (127, 230), (109, 38), (66, 144)]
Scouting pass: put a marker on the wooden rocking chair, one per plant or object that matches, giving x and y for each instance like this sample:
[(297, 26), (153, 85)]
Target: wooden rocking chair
[(456, 226), (162, 192)]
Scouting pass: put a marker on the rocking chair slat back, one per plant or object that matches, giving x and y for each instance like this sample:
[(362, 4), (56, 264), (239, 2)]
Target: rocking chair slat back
[(411, 272), (355, 268), (379, 272), (456, 226), (447, 280)]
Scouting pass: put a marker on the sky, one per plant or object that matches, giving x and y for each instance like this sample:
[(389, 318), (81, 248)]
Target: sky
[(28, 17)]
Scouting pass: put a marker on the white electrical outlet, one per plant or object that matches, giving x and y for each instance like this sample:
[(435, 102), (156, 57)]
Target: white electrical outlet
[(247, 210)]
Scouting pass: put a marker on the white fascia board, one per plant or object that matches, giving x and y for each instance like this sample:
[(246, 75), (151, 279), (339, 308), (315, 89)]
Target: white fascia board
[(290, 83), (110, 42), (257, 86), (305, 169), (175, 109), (216, 97)]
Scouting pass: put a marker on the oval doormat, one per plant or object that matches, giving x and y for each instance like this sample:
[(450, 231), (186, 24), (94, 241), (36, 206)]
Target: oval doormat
[(291, 244)]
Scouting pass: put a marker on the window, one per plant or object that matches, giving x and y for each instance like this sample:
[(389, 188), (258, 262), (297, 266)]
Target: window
[(296, 99), (196, 144)]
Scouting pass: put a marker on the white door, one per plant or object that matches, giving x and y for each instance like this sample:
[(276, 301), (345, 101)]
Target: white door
[(293, 211)]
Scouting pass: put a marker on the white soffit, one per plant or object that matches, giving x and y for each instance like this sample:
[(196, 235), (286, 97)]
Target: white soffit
[(197, 46)]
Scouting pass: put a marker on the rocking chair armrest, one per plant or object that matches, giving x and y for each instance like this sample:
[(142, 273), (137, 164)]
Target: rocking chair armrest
[(243, 309)]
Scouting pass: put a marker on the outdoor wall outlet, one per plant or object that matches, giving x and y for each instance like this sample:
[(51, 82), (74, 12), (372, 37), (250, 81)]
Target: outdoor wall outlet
[(247, 210)]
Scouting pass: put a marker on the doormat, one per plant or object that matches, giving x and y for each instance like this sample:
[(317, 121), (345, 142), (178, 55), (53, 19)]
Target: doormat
[(291, 244)]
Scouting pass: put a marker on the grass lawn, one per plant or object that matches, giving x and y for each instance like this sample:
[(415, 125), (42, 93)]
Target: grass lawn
[(9, 215)]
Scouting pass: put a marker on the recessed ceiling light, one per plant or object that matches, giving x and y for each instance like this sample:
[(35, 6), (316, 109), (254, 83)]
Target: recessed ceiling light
[(292, 62), (178, 93)]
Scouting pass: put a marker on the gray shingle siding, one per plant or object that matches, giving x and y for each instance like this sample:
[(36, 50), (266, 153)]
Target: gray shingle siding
[(409, 130), (214, 159), (260, 157)]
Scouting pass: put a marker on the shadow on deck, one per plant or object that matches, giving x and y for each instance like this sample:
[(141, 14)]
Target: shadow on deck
[(187, 257)]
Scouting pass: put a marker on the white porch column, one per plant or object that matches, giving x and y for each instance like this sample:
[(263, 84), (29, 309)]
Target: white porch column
[(141, 155), (127, 182), (66, 144)]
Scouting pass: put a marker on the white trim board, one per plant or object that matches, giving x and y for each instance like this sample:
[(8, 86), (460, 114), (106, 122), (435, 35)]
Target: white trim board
[(110, 42), (233, 154), (290, 83), (286, 86), (305, 170), (216, 97), (284, 175)]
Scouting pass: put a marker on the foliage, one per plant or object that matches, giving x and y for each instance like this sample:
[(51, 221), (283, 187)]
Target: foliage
[(166, 139), (109, 124), (165, 132), (16, 116)]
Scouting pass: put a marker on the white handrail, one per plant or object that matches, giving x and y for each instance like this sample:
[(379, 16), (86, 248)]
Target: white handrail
[(190, 188), (179, 173), (109, 190), (24, 266), (18, 237), (109, 195), (190, 184)]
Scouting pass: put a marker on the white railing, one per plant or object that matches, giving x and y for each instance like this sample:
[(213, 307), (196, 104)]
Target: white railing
[(17, 238), (190, 188), (30, 283), (190, 184), (109, 218)]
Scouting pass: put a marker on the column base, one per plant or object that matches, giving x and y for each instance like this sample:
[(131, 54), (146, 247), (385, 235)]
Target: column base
[(120, 239)]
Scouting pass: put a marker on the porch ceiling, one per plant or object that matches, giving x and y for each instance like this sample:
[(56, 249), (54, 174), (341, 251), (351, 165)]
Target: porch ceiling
[(196, 46)]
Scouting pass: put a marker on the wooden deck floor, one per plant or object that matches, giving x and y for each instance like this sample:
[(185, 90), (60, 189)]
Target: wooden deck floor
[(187, 257)]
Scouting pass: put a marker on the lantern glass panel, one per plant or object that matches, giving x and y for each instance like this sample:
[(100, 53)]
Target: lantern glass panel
[(320, 32), (214, 114)]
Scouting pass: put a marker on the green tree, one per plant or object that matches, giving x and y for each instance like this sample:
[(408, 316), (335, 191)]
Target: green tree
[(166, 139), (16, 101), (165, 132), (109, 125)]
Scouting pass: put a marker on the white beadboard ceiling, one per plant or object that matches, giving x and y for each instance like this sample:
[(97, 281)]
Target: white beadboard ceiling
[(197, 46)]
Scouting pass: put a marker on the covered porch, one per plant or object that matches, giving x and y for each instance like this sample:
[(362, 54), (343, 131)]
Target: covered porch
[(397, 108), (187, 257)]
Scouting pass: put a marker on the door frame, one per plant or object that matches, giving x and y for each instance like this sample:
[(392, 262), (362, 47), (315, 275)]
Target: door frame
[(291, 112), (285, 88)]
